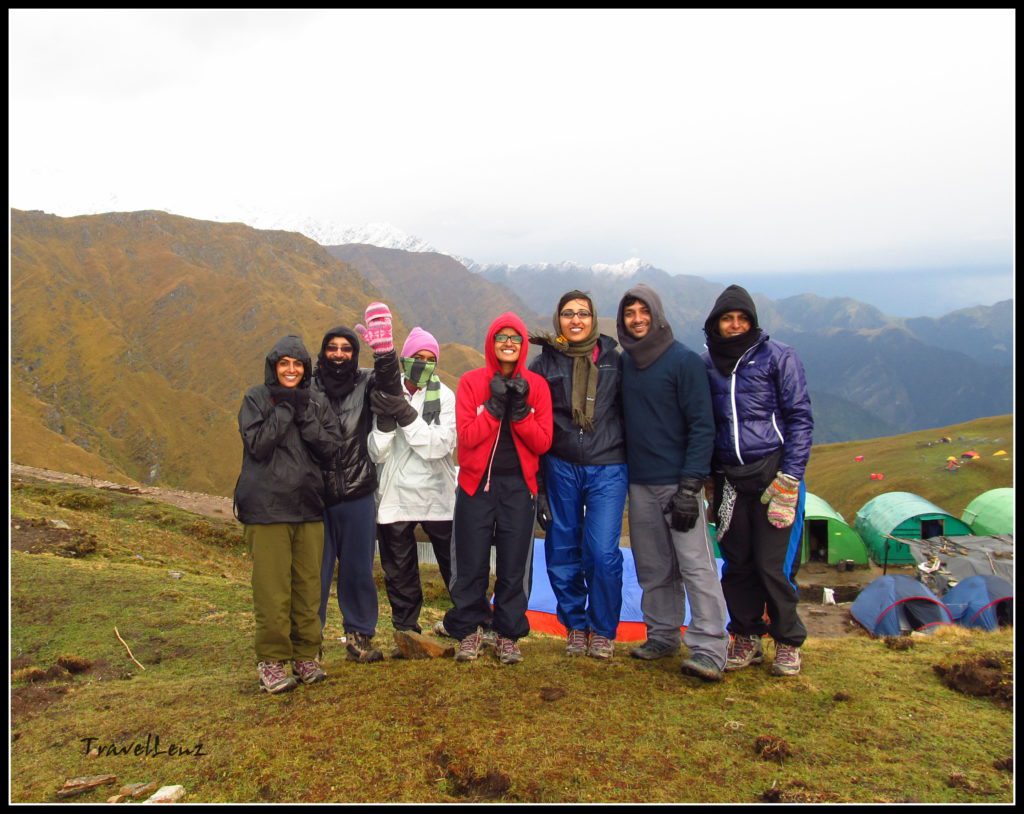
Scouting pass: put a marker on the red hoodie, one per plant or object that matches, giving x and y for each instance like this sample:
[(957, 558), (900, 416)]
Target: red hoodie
[(478, 429)]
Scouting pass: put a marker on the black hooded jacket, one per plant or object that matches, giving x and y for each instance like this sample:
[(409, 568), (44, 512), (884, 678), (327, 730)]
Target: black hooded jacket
[(350, 473), (280, 480)]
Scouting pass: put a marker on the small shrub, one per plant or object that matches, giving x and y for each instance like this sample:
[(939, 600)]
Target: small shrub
[(81, 501)]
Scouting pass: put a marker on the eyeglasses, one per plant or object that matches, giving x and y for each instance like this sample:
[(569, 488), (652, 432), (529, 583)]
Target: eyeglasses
[(583, 313), (516, 339), (340, 348)]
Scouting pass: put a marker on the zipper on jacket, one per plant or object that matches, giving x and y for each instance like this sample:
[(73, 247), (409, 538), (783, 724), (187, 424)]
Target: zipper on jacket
[(494, 451), (732, 399)]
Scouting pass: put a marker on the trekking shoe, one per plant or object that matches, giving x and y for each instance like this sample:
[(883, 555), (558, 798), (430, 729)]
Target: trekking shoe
[(308, 671), (469, 648), (360, 648), (787, 660), (439, 629), (701, 666), (508, 651), (654, 649), (490, 638), (273, 678), (576, 643), (601, 647), (743, 651)]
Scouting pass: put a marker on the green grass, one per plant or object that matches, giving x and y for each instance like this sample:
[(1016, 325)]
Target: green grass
[(438, 731), (915, 462)]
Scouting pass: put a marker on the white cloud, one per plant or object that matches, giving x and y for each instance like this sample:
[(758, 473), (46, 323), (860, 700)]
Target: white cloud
[(702, 141)]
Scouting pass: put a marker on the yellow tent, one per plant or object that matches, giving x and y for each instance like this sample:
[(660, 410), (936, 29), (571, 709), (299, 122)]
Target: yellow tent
[(1001, 452)]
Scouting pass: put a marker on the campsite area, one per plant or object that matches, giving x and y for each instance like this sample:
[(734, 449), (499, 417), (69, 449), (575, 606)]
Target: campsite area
[(914, 719)]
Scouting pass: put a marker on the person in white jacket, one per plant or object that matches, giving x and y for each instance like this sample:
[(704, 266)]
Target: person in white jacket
[(413, 443)]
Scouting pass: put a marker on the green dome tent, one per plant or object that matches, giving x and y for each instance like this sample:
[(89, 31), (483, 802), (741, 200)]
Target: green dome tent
[(991, 512), (906, 515), (827, 537)]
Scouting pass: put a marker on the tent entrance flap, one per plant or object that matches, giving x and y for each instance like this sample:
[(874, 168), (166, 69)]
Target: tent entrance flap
[(817, 539), (931, 528)]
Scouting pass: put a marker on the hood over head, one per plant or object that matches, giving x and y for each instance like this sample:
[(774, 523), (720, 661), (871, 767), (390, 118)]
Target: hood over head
[(341, 330), (291, 346), (734, 298), (490, 360), (659, 338)]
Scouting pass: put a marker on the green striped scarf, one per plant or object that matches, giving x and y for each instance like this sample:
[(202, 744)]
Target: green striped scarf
[(424, 376)]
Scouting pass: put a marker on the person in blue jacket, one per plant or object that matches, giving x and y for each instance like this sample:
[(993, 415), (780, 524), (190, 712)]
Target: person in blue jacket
[(763, 428), (584, 481), (670, 428)]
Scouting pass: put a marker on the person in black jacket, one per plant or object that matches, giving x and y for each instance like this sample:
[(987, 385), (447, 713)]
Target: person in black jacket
[(350, 479), (288, 432), (584, 484)]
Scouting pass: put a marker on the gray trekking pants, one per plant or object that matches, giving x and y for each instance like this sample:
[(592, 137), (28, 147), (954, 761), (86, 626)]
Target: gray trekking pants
[(670, 562)]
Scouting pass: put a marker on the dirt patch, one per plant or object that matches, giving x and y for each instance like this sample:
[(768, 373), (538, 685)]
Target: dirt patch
[(796, 793), (987, 676), (551, 693), (29, 700), (465, 782), (828, 621), (769, 747), (39, 536)]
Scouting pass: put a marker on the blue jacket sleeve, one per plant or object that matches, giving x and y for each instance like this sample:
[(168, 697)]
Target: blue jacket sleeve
[(795, 406)]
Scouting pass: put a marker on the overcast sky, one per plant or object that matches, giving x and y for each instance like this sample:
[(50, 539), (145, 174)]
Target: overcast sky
[(703, 142)]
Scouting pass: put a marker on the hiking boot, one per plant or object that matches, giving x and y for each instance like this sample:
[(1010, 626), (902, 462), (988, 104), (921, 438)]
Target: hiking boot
[(273, 678), (308, 671), (701, 666), (743, 651), (360, 648), (787, 660), (490, 638), (439, 629), (654, 649), (508, 651), (601, 647), (576, 643), (469, 648)]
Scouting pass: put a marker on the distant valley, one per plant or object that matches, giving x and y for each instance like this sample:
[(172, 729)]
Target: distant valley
[(134, 336)]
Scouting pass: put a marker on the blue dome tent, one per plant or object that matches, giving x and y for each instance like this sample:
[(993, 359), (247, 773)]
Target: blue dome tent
[(895, 604), (982, 601)]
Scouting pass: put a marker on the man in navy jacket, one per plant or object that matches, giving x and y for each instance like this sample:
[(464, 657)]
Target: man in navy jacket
[(763, 428), (669, 438)]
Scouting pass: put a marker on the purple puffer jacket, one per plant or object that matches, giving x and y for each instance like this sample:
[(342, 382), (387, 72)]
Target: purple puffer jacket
[(761, 407)]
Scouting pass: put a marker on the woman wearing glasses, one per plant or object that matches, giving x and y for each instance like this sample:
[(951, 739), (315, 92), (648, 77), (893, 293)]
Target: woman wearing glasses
[(503, 421), (583, 477)]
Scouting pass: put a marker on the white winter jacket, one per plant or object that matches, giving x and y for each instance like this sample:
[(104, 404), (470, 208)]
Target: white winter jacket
[(416, 465)]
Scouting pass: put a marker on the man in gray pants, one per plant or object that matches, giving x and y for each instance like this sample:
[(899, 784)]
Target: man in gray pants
[(670, 431)]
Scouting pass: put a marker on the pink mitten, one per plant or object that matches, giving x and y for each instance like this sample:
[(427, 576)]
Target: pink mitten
[(782, 496), (377, 331)]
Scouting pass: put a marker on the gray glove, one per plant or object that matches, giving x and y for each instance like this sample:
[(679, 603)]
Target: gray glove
[(518, 389)]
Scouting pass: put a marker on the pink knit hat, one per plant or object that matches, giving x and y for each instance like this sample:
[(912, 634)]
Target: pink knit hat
[(420, 340)]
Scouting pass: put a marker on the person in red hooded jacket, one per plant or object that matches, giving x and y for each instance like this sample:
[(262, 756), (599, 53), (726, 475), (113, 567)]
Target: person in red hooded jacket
[(504, 424)]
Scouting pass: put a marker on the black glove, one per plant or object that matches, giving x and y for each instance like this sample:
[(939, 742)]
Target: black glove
[(386, 404), (543, 510), (381, 407), (685, 504), (518, 389), (282, 395), (301, 400), (495, 405)]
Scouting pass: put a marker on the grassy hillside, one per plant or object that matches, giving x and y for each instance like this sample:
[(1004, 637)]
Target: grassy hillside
[(548, 730), (135, 335), (915, 462)]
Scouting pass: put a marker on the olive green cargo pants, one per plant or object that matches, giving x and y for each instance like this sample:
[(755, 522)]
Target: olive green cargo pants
[(286, 588)]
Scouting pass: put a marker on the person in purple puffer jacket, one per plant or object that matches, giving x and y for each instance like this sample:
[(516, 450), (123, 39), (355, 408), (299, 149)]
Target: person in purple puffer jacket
[(763, 428)]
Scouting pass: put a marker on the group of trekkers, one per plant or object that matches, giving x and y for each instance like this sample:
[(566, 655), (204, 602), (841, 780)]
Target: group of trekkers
[(337, 458)]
